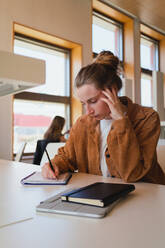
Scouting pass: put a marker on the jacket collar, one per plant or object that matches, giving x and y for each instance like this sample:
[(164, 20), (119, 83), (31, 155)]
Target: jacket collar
[(134, 111), (94, 128)]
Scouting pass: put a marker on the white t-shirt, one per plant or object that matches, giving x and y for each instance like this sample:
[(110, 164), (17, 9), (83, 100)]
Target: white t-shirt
[(105, 127)]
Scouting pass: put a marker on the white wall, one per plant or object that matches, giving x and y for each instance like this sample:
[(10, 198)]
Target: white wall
[(68, 19)]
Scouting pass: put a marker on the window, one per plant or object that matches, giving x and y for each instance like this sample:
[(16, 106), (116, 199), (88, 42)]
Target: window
[(107, 35), (149, 53), (146, 90), (35, 108), (149, 49)]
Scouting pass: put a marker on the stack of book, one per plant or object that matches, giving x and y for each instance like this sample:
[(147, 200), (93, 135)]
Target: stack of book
[(93, 201), (98, 194)]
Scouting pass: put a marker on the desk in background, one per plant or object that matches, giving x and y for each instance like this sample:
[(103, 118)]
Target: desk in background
[(137, 221)]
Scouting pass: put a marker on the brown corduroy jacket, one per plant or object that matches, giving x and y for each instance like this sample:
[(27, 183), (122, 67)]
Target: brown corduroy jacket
[(131, 146)]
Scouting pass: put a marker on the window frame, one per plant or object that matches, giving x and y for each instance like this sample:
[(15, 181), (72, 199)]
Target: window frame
[(145, 71), (113, 21), (44, 97), (157, 42), (33, 96)]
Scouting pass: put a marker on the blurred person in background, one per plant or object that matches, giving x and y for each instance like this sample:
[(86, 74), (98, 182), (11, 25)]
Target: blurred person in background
[(53, 134)]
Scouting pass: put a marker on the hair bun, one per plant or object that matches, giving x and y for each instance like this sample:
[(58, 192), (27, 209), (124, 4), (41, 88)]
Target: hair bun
[(107, 58)]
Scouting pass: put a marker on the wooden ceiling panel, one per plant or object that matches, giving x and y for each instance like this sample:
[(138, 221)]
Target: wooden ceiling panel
[(150, 12)]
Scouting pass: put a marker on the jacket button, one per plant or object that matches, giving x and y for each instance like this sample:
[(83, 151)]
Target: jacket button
[(108, 155)]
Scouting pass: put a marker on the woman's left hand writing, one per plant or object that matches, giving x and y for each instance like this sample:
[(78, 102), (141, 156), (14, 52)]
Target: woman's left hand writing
[(117, 109)]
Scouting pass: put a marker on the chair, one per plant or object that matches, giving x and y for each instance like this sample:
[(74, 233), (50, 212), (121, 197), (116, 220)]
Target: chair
[(40, 148), (52, 149), (20, 152)]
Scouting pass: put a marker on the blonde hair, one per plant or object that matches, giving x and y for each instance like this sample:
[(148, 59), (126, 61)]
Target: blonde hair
[(103, 72)]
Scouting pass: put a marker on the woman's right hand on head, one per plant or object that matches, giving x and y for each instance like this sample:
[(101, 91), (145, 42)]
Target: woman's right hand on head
[(48, 173)]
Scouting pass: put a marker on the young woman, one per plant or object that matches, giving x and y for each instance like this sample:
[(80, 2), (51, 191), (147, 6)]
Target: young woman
[(53, 134), (115, 137)]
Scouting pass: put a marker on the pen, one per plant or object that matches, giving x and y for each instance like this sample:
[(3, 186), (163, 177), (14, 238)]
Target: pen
[(51, 166)]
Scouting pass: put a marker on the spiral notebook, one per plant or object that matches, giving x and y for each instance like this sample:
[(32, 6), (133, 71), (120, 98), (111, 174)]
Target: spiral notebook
[(36, 179)]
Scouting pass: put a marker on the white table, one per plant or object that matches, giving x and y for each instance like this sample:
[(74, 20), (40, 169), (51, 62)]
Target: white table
[(137, 221)]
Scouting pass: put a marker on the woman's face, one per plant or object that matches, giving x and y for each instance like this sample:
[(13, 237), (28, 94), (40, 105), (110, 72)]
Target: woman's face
[(90, 97)]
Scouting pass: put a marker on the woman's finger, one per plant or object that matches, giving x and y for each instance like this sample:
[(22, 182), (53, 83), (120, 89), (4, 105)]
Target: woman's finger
[(51, 174), (108, 95), (47, 171), (108, 102), (56, 171), (114, 92)]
